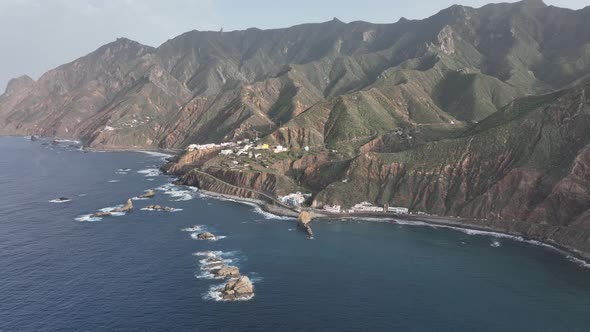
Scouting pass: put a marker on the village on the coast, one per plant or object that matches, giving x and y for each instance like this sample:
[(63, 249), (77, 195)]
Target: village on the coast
[(258, 153)]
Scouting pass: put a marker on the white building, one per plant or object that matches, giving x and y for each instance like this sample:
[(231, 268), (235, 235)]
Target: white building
[(294, 199), (398, 210), (333, 208), (279, 149), (366, 207)]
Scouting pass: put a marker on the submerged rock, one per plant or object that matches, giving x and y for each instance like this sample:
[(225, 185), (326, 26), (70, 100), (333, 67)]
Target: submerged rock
[(205, 236), (236, 289), (101, 214), (34, 138), (148, 194), (62, 199), (214, 259)]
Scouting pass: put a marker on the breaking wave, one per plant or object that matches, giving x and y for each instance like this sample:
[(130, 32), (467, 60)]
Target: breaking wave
[(495, 235), (578, 261), (155, 210), (157, 154), (88, 218), (149, 172), (214, 294), (114, 181), (196, 228), (57, 200)]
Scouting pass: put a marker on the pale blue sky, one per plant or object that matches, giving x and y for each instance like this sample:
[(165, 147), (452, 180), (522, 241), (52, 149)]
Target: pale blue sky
[(37, 35)]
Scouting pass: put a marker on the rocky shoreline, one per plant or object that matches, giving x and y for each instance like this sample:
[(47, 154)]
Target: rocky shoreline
[(536, 234), (569, 242)]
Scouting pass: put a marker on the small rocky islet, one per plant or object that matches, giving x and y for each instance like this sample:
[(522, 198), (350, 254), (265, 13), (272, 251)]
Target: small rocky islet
[(238, 287), (159, 208), (151, 193), (127, 207)]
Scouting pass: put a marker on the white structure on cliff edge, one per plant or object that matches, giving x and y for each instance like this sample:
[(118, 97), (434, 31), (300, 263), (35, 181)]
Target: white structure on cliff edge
[(294, 199)]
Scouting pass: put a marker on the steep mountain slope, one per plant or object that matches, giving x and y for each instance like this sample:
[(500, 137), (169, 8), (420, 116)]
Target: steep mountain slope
[(527, 162), (335, 84)]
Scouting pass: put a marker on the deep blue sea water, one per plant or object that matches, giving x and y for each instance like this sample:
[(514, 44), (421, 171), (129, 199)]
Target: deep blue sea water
[(138, 271)]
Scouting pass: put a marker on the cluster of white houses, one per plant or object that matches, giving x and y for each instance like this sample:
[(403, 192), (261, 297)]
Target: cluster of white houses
[(238, 148), (366, 207)]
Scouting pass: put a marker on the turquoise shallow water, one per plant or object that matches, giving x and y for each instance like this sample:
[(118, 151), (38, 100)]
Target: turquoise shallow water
[(138, 271)]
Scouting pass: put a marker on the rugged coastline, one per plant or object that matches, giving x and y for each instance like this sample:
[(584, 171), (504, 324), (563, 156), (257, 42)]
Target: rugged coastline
[(569, 242), (513, 229)]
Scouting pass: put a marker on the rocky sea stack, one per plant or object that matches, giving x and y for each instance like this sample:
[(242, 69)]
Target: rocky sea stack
[(303, 221), (238, 289)]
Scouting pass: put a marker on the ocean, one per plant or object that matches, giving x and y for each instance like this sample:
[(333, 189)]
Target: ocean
[(63, 270)]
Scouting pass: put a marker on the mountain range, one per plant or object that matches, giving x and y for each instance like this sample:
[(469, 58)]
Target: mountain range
[(473, 112)]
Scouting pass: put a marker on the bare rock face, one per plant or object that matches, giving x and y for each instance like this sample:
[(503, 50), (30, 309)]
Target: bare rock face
[(238, 289), (303, 222), (148, 194), (128, 207), (227, 272), (206, 236)]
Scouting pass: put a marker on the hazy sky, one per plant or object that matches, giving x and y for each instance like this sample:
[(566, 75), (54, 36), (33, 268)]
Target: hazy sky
[(37, 35)]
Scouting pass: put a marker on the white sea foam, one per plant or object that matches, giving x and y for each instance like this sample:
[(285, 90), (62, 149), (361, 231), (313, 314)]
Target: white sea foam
[(121, 173), (71, 141), (257, 209), (60, 200), (495, 244), (157, 154), (154, 210), (83, 195), (149, 172), (578, 261), (495, 235), (114, 181), (214, 294), (110, 210), (206, 275), (124, 170), (88, 218), (178, 192), (215, 253), (180, 195), (196, 228), (149, 179), (204, 262)]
